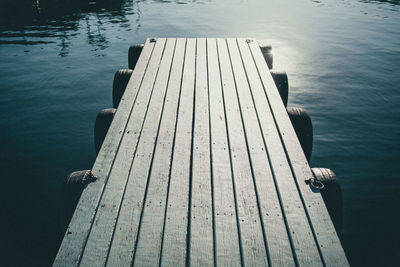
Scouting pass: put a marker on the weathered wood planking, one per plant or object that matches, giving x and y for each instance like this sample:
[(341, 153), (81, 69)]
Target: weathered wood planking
[(298, 228), (274, 227), (201, 241), (76, 235), (152, 223), (320, 222), (227, 245), (103, 227), (127, 228), (201, 166), (252, 239), (174, 239)]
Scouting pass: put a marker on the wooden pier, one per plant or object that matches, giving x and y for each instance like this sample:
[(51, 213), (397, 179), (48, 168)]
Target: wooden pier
[(201, 166)]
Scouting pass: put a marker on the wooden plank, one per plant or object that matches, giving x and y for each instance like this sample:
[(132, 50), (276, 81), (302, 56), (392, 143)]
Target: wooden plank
[(79, 227), (278, 244), (151, 226), (323, 229), (227, 245), (252, 240), (201, 217), (175, 233), (201, 166), (303, 243), (125, 231), (98, 243)]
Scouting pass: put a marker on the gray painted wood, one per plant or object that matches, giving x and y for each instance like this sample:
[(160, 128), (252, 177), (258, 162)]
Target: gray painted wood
[(98, 243), (152, 222), (201, 166), (79, 227), (328, 242), (274, 226), (126, 229), (295, 216), (227, 244), (201, 220), (252, 240), (175, 233)]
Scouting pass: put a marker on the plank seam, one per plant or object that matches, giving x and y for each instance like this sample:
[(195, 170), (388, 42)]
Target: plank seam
[(211, 160), (249, 155), (152, 157), (291, 168), (231, 166), (112, 164), (172, 156), (191, 163)]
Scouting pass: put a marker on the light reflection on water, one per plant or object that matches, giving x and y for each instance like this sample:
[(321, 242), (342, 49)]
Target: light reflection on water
[(57, 63)]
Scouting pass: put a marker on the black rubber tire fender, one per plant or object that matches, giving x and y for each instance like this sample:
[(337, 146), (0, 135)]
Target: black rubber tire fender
[(302, 125), (332, 195), (121, 80), (133, 55), (103, 122), (282, 84), (70, 194), (267, 53)]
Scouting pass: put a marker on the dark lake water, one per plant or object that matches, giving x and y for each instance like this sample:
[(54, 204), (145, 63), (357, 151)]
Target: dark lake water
[(57, 62)]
